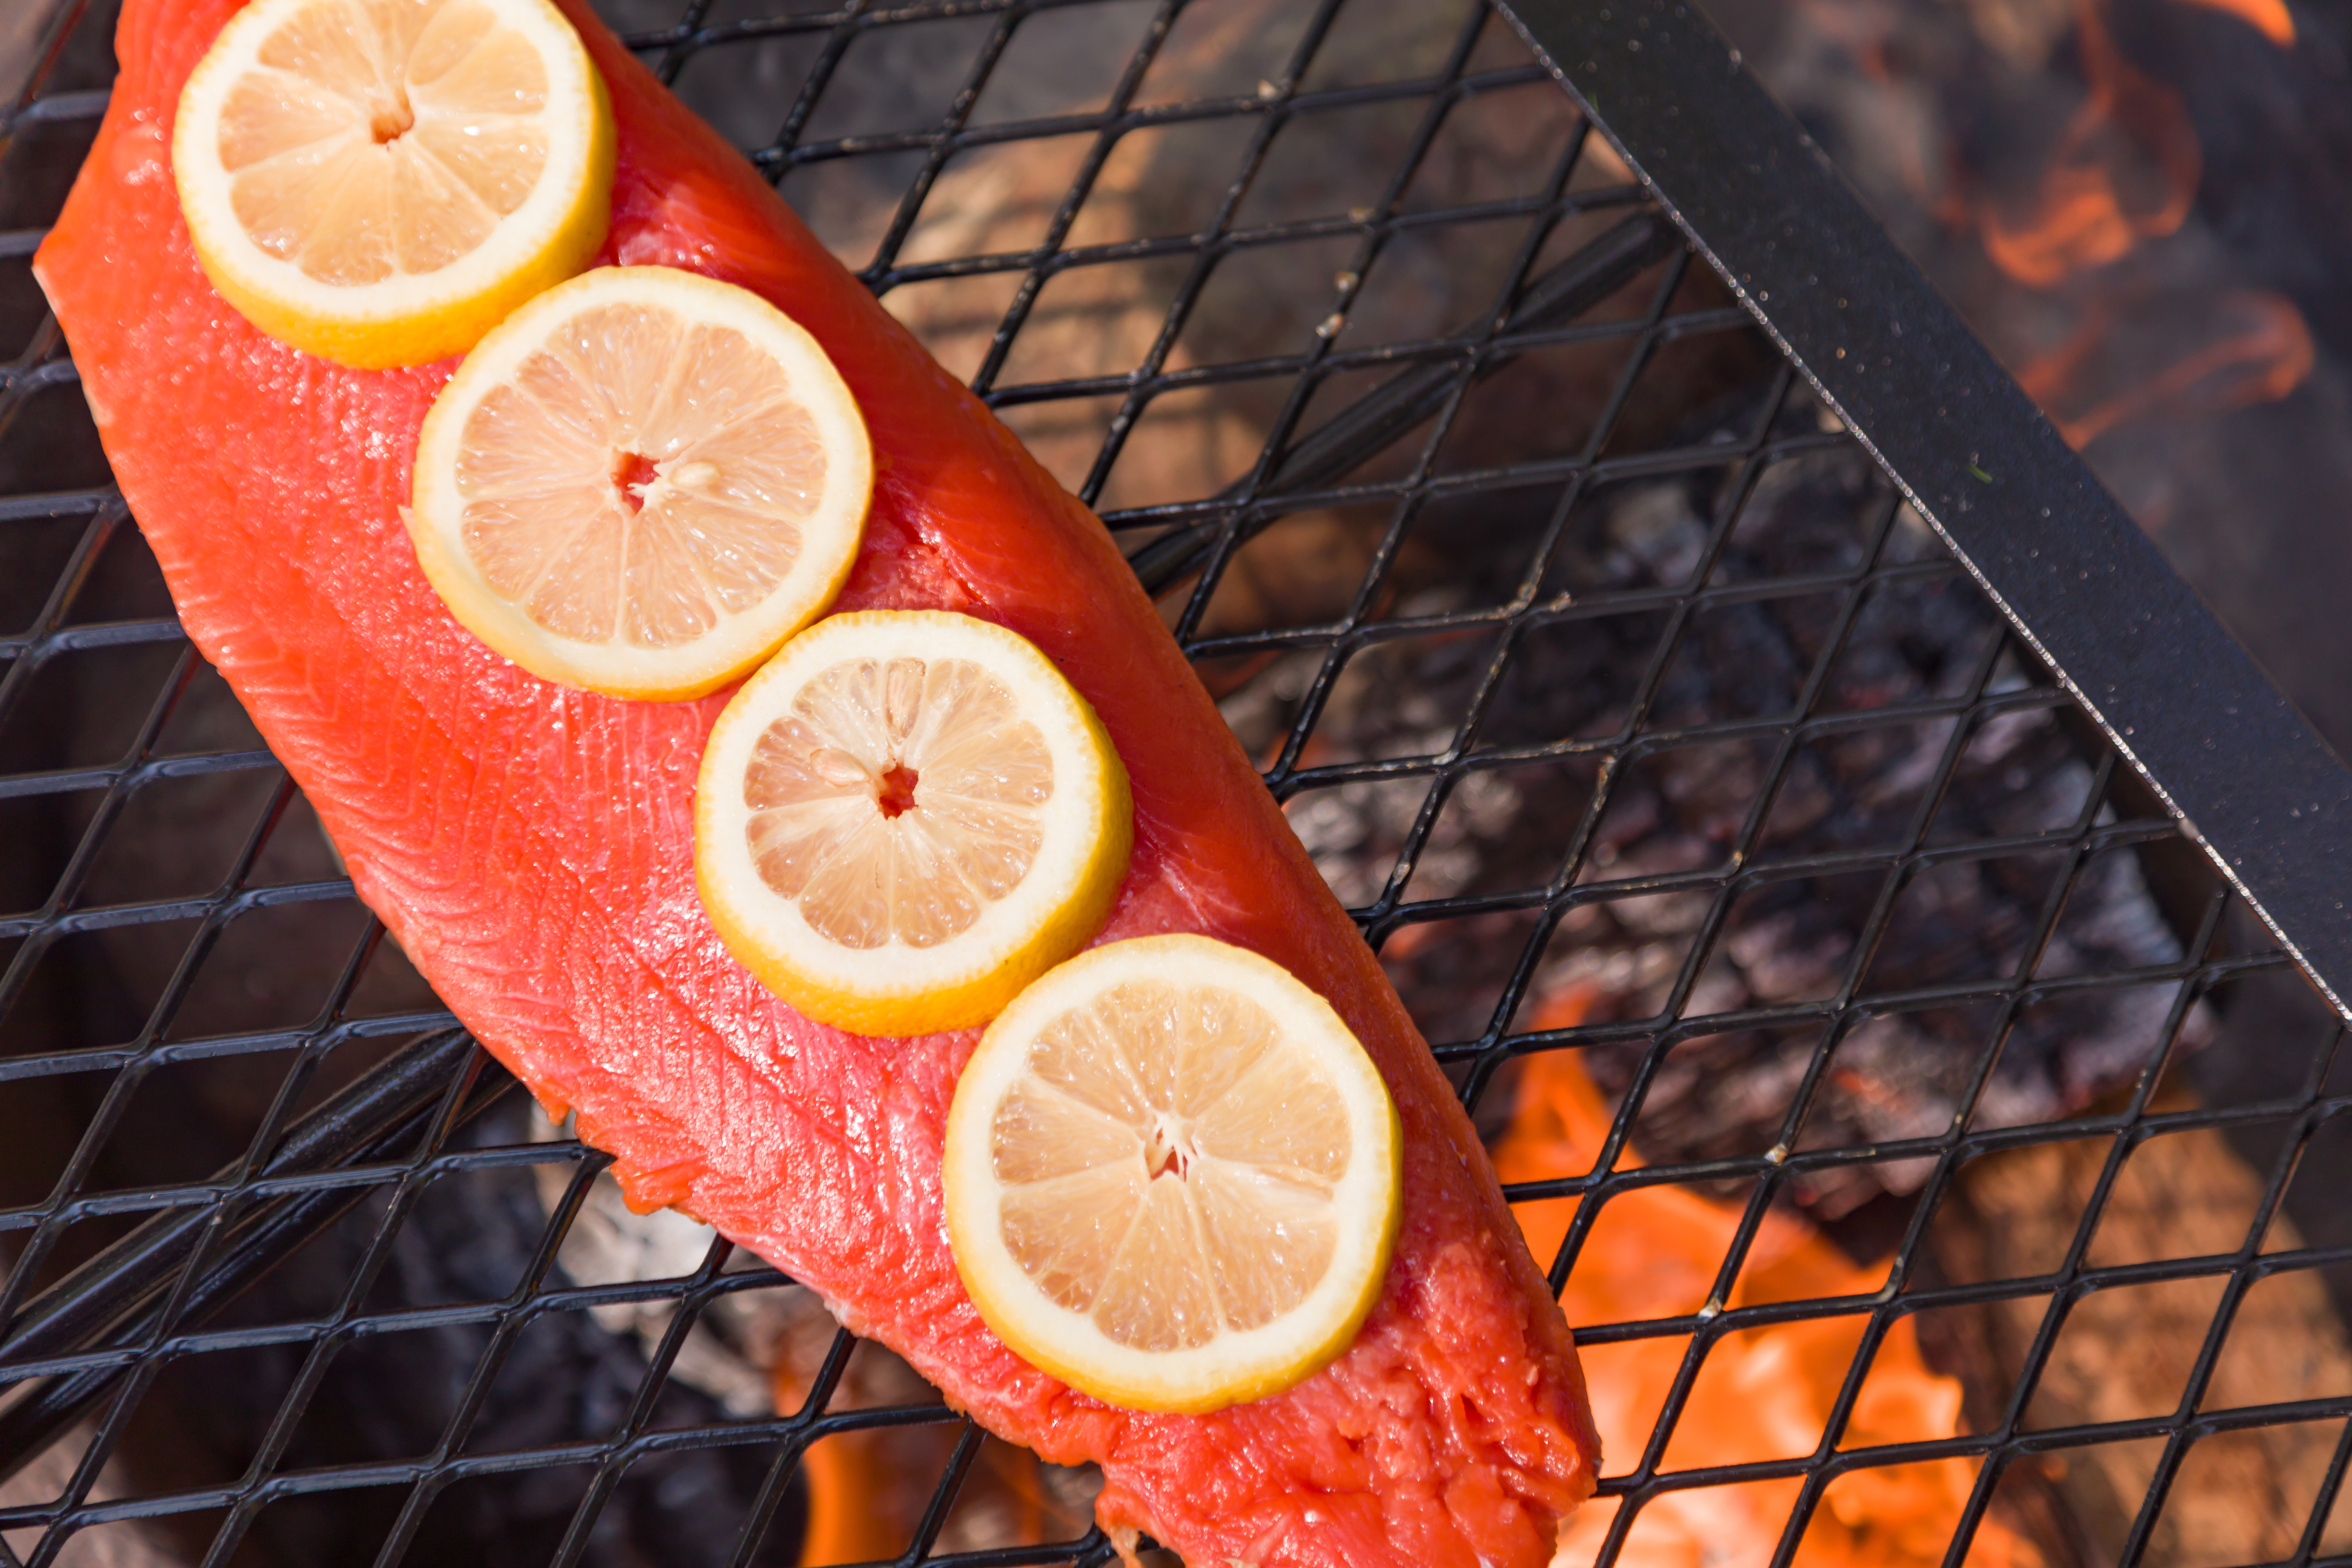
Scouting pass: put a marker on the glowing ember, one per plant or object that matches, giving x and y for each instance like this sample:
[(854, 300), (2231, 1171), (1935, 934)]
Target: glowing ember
[(1763, 1393)]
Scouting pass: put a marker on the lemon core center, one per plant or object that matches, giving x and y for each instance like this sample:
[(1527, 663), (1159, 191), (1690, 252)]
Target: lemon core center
[(1169, 1150), (632, 474), (392, 118), (895, 790), (832, 793)]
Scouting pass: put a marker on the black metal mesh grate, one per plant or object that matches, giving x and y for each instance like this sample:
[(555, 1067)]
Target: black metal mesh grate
[(1599, 667)]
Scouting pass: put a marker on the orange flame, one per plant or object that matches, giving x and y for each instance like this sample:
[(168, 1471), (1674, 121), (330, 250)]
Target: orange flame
[(867, 1490), (2271, 18), (1763, 1393), (2126, 171), (2265, 353), (2080, 214), (842, 1525)]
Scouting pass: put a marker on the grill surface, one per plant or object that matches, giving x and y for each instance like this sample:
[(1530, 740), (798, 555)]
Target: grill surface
[(1603, 671)]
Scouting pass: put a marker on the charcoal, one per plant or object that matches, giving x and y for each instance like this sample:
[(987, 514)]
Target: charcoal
[(566, 1378), (1682, 809)]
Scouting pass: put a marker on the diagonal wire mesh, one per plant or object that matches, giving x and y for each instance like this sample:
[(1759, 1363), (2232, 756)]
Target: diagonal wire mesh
[(1935, 1162)]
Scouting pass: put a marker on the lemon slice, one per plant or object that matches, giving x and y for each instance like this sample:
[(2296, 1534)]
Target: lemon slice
[(905, 818), (1172, 1176), (641, 483), (380, 182)]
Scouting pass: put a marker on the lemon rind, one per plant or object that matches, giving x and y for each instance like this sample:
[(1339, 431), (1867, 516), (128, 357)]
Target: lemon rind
[(832, 535), (415, 319), (1076, 876)]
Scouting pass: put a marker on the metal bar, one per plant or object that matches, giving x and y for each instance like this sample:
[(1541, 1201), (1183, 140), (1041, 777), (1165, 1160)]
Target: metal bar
[(2250, 779), (1388, 411), (98, 1348), (119, 1297), (116, 1298)]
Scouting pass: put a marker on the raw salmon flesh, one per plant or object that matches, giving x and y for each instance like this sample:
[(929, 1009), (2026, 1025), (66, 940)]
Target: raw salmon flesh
[(531, 846)]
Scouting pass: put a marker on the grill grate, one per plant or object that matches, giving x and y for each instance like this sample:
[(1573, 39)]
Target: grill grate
[(1602, 670)]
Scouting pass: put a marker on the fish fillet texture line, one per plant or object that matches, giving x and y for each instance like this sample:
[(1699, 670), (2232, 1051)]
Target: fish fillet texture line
[(531, 846)]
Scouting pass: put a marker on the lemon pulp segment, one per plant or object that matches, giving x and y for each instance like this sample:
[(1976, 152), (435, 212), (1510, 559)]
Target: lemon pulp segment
[(906, 817), (1172, 1175), (381, 182), (641, 483)]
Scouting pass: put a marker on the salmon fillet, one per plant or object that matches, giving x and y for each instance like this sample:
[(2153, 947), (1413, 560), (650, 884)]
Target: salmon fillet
[(531, 848)]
